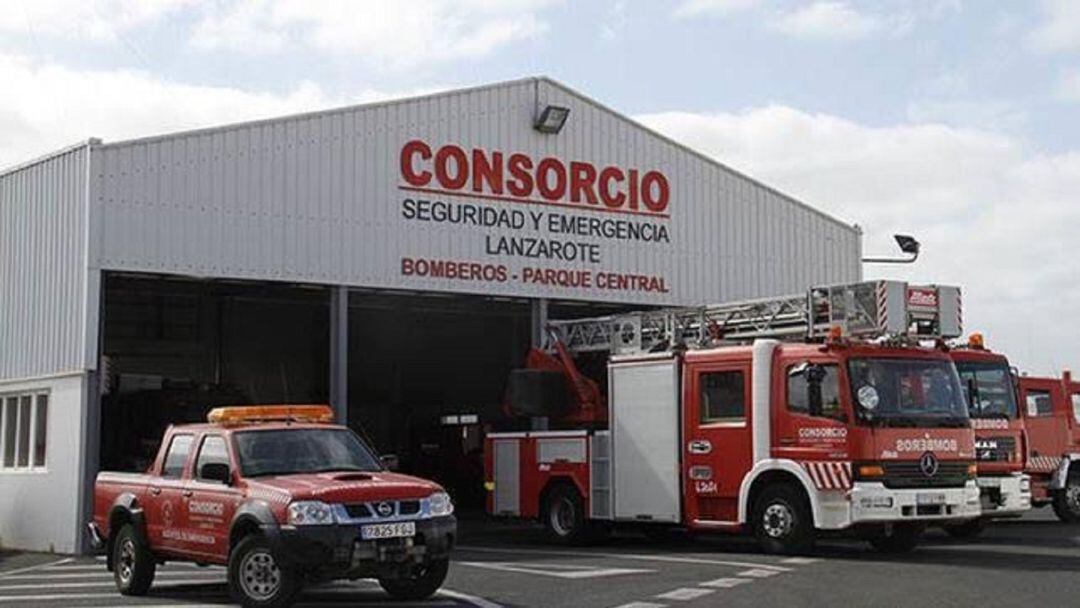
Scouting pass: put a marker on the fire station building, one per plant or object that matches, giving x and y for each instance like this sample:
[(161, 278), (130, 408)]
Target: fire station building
[(395, 260)]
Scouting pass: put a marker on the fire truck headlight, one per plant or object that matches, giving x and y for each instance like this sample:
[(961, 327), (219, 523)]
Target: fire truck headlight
[(1025, 484), (310, 513), (440, 504)]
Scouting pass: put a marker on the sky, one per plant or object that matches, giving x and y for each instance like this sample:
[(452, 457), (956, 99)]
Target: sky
[(955, 121)]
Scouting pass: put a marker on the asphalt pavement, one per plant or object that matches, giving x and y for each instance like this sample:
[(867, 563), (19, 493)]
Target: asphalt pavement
[(1032, 561)]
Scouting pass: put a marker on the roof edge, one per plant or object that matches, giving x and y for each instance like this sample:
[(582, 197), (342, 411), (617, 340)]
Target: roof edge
[(701, 155), (92, 141)]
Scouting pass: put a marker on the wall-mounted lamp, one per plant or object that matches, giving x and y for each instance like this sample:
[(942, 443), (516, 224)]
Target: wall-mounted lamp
[(908, 245), (551, 119)]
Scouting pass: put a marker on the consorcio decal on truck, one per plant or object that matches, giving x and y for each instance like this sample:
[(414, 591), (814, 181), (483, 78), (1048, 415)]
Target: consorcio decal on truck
[(537, 221)]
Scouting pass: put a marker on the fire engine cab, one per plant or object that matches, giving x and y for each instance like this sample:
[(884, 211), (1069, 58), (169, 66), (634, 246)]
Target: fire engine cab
[(991, 389), (1050, 408), (783, 417)]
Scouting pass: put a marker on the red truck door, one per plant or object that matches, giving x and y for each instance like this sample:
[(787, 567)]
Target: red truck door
[(1072, 406), (165, 513), (811, 422), (1042, 404), (209, 504), (717, 451)]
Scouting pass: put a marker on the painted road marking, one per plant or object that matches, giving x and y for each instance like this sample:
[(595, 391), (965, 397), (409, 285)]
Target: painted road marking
[(37, 567), (641, 605), (628, 556), (685, 594), (556, 570), (758, 573), (177, 583), (63, 576), (800, 561), (726, 583)]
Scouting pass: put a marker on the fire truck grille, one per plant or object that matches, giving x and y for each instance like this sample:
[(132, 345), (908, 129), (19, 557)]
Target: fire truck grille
[(904, 475), (995, 449)]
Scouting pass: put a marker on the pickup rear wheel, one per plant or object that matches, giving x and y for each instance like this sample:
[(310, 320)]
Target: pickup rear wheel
[(257, 579), (422, 584), (782, 521), (133, 563)]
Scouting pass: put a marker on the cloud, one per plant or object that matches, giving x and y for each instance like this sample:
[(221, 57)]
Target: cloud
[(1059, 30), (993, 216), (87, 20), (1068, 86), (827, 21), (57, 106), (694, 8), (385, 33)]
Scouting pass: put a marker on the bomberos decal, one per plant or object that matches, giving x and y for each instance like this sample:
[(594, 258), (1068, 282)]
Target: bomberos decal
[(537, 221)]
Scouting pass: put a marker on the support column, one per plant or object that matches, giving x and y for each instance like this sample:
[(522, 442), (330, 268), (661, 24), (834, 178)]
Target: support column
[(339, 353), (538, 322)]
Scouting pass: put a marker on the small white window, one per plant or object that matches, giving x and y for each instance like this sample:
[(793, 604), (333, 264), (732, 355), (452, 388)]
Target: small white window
[(24, 421), (1076, 407)]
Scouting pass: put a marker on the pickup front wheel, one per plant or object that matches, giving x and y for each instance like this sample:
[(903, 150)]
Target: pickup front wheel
[(133, 563), (423, 583), (257, 579)]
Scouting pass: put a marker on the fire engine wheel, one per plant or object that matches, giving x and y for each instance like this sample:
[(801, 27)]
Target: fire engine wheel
[(423, 583), (968, 529), (133, 563), (256, 580), (1067, 500), (782, 522), (903, 538), (564, 516)]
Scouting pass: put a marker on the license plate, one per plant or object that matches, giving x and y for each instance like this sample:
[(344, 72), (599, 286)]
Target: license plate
[(988, 482), (380, 531), (936, 498)]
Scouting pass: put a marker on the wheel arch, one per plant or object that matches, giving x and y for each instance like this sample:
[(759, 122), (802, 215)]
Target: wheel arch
[(767, 472), (563, 481), (252, 517), (125, 509)]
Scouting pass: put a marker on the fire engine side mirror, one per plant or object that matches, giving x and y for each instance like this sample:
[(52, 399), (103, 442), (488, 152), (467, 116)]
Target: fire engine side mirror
[(216, 471), (390, 462)]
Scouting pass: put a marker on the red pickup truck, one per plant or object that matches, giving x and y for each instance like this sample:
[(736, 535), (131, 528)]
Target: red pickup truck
[(283, 498)]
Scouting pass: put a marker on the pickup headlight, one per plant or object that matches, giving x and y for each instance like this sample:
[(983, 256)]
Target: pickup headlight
[(440, 504), (310, 513)]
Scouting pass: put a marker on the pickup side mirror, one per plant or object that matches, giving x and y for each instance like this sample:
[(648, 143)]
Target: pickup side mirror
[(216, 471), (390, 461)]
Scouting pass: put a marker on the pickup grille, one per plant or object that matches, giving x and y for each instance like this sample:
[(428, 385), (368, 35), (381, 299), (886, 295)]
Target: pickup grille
[(370, 510), (907, 474), (995, 449)]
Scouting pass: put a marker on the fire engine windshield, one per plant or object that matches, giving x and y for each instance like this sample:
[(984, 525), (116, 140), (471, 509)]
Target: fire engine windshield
[(292, 451), (907, 392), (989, 388)]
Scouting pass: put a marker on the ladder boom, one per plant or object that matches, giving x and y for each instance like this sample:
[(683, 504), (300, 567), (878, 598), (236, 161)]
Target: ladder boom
[(867, 310)]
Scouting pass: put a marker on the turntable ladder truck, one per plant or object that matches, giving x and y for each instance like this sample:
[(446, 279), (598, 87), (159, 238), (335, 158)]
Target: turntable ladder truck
[(782, 417)]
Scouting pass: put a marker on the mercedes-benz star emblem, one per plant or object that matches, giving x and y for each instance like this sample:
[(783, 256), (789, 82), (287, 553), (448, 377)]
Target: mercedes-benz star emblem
[(385, 509), (928, 464)]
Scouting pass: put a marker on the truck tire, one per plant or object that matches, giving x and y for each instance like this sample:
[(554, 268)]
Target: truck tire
[(256, 580), (968, 529), (564, 516), (1067, 500), (133, 562), (782, 522), (422, 585), (903, 539)]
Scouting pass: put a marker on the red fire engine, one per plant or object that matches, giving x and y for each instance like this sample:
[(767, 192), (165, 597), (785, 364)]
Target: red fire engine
[(999, 446), (783, 417), (1050, 408)]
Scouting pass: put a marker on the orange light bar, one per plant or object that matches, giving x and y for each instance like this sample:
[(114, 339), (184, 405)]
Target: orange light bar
[(271, 413), (976, 341)]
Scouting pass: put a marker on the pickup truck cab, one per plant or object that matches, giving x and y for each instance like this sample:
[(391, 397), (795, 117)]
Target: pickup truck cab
[(282, 498)]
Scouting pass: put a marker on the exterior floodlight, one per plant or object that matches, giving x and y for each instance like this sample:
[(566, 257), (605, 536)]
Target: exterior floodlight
[(552, 119), (907, 244)]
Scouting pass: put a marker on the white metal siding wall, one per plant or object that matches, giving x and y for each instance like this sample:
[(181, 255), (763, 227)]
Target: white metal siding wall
[(315, 199), (43, 266)]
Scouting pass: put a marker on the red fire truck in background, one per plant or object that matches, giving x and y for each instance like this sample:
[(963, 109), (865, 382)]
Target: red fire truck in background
[(991, 389), (783, 417), (1050, 408)]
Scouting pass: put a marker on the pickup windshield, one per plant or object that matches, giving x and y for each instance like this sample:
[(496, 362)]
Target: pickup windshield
[(990, 389), (292, 451), (907, 392)]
